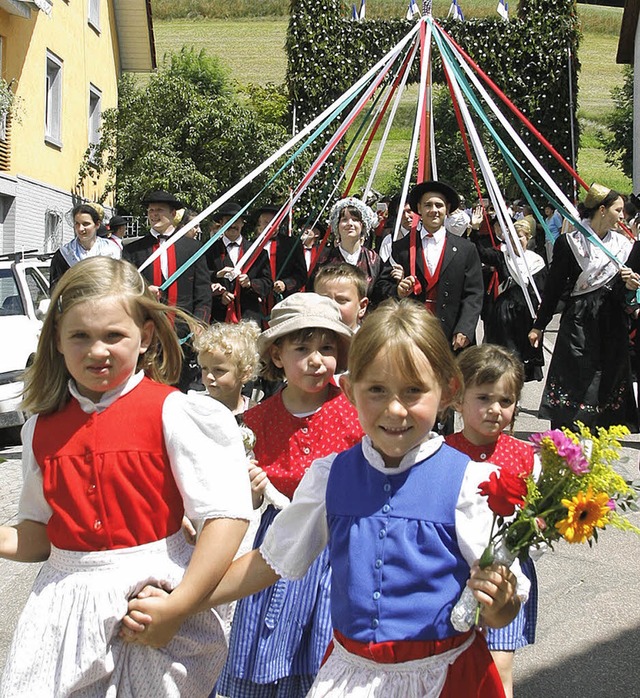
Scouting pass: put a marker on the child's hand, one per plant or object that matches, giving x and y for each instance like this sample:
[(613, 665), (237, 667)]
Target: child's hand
[(259, 482), (494, 587), (150, 619)]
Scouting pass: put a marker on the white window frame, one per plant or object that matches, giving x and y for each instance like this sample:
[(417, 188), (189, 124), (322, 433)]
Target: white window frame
[(93, 14), (53, 100), (95, 115)]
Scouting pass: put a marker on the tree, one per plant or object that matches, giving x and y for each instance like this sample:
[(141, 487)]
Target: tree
[(618, 141), (186, 131)]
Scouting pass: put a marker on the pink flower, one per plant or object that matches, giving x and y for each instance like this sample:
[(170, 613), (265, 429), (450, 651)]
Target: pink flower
[(566, 449)]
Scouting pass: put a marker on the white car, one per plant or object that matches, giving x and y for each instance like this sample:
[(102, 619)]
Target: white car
[(24, 301)]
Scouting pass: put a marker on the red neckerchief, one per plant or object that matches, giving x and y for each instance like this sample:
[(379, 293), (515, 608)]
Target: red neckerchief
[(172, 291)]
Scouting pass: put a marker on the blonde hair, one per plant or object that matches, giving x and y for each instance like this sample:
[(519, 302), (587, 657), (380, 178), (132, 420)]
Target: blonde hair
[(237, 341), (93, 279), (488, 363), (353, 274), (402, 327)]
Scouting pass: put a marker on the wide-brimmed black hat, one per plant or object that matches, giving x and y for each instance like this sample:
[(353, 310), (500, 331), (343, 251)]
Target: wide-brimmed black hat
[(267, 208), (117, 222), (228, 209), (162, 197), (449, 193)]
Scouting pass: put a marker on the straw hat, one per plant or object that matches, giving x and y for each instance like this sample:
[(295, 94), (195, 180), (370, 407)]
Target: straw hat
[(596, 195), (301, 311)]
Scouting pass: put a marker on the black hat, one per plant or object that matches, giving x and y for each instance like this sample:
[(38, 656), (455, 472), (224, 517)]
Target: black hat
[(162, 197), (228, 209), (117, 222), (268, 208), (449, 193)]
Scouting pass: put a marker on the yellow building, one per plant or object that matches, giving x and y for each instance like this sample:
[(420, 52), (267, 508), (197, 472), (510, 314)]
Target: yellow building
[(63, 59)]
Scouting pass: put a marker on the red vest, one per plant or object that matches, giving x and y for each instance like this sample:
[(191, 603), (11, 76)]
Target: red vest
[(107, 476)]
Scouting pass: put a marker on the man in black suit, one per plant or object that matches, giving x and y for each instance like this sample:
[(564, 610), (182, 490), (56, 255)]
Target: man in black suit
[(236, 297), (191, 291), (286, 259), (440, 270)]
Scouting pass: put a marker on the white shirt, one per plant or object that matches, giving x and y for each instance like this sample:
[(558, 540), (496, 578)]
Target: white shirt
[(205, 451), (233, 248), (300, 532), (432, 246)]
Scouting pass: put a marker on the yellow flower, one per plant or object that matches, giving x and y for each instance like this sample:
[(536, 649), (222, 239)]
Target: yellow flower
[(585, 512)]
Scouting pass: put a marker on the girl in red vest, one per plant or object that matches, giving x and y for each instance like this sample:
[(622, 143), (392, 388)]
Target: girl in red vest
[(112, 459), (493, 380)]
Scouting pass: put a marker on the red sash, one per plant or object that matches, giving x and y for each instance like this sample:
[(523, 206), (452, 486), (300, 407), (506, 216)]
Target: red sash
[(395, 652), (172, 291)]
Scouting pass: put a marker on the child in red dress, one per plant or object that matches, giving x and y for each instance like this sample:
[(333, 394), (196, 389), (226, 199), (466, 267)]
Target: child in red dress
[(112, 458), (493, 380), (280, 635)]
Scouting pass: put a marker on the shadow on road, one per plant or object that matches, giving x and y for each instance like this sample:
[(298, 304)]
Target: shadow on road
[(608, 669)]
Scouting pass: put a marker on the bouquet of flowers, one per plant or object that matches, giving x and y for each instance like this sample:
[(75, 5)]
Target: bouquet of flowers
[(577, 492)]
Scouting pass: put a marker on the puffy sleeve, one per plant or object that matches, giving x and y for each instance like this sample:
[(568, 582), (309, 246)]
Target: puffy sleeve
[(207, 457), (299, 533), (474, 519), (33, 506)]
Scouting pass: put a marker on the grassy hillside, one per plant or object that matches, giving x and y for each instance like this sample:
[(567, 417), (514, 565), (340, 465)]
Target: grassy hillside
[(253, 49)]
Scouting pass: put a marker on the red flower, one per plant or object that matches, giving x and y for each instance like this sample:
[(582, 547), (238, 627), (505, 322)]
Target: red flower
[(504, 490)]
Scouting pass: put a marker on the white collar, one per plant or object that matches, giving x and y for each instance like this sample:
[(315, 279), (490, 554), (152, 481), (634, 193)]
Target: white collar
[(423, 450), (350, 257), (227, 242), (438, 236), (108, 398)]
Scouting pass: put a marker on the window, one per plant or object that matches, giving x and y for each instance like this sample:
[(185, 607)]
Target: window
[(53, 101), (94, 14), (95, 115), (52, 231)]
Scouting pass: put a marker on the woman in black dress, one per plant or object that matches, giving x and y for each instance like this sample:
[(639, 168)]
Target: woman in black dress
[(589, 377), (507, 318)]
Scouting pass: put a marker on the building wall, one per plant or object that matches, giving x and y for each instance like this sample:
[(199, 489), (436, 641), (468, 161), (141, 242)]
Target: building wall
[(46, 172)]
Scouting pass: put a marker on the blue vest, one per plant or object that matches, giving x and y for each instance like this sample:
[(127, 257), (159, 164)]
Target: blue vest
[(396, 565)]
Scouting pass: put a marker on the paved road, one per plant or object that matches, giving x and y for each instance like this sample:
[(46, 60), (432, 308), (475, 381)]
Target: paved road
[(588, 640)]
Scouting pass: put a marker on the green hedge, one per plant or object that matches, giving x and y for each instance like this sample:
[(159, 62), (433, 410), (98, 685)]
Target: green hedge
[(526, 57)]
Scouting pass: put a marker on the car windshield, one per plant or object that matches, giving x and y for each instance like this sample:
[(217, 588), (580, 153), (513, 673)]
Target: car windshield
[(10, 300)]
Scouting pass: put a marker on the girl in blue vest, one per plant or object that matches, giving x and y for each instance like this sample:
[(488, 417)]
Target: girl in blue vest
[(404, 523), (112, 458), (493, 380)]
